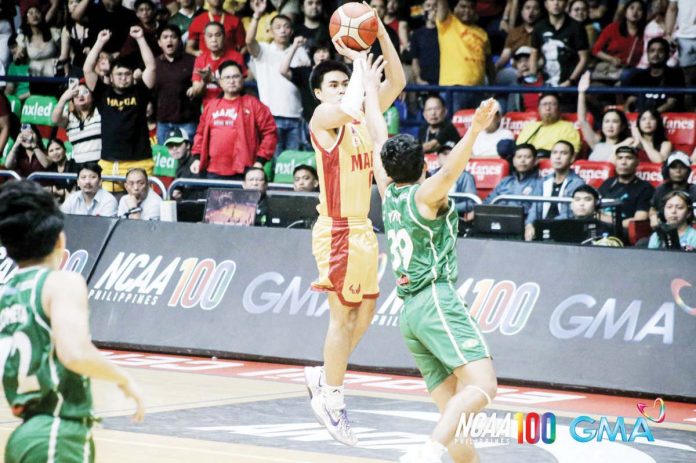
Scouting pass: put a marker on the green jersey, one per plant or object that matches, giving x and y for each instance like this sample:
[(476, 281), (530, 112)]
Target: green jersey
[(422, 251), (34, 380)]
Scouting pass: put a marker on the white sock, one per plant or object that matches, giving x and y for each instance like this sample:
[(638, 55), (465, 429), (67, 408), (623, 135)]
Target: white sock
[(334, 396), (433, 449)]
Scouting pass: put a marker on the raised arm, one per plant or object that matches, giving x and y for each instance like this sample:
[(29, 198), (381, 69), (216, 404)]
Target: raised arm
[(671, 18), (258, 7), (287, 57), (376, 125), (91, 76), (57, 116), (70, 332), (146, 53), (433, 192), (395, 79), (587, 132), (80, 10)]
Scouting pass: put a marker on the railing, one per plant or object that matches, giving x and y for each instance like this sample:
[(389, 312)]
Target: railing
[(111, 178), (10, 173), (207, 183), (470, 196)]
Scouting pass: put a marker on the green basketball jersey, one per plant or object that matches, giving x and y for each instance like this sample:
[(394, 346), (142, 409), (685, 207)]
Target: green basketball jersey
[(422, 250), (34, 380)]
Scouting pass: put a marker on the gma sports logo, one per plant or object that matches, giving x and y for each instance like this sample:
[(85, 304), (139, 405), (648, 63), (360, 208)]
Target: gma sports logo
[(586, 429)]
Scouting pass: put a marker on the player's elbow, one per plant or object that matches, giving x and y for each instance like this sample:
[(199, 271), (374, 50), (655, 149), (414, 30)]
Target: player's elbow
[(71, 355)]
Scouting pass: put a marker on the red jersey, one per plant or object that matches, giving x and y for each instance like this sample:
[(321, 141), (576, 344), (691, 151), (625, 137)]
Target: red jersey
[(234, 30), (206, 59)]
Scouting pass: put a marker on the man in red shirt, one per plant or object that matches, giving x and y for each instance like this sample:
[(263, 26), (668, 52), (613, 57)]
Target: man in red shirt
[(205, 75), (236, 131), (234, 29)]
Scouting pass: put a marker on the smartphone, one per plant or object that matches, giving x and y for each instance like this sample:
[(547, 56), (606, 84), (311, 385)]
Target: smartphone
[(25, 126), (73, 82)]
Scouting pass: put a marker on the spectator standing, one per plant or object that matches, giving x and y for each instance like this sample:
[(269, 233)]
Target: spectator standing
[(41, 45), (677, 212), (275, 91), (91, 198), (188, 9), (205, 69), (28, 155), (147, 20), (614, 131), (680, 24), (486, 144), (649, 137), (7, 13), (466, 47), (173, 85), (562, 42), (236, 131), (299, 76), (234, 29), (677, 170), (634, 193), (524, 179), (141, 203), (579, 10), (75, 41), (655, 29), (545, 133), (107, 15), (519, 36), (123, 108), (656, 76), (314, 26), (82, 122), (425, 48), (437, 129), (561, 183)]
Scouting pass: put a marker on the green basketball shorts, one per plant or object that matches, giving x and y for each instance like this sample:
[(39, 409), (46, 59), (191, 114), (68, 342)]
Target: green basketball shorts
[(45, 439), (440, 332)]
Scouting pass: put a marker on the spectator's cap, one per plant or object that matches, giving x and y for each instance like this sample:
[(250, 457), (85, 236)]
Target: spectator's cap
[(523, 51), (505, 148), (678, 156), (627, 149), (446, 147), (176, 136)]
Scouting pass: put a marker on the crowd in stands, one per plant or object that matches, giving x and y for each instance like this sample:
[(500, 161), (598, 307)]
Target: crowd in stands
[(219, 89)]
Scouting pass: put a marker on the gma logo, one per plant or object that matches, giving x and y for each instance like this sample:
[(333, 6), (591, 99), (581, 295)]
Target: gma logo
[(585, 429)]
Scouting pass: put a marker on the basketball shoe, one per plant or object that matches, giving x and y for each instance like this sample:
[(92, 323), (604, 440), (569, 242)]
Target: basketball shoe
[(335, 420)]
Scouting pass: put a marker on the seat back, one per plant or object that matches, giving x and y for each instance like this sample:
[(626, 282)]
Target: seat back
[(594, 172), (487, 174), (515, 121), (462, 120), (545, 167), (681, 130), (650, 172)]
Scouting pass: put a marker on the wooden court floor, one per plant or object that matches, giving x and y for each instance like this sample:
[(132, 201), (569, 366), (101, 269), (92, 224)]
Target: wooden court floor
[(203, 410)]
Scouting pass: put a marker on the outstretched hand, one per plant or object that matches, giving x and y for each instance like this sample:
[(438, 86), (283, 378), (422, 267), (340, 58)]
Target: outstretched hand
[(372, 71), (136, 32), (584, 82), (131, 391), (485, 114), (349, 53)]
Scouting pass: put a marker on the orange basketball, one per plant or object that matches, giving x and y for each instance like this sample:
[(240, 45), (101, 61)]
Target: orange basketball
[(355, 23)]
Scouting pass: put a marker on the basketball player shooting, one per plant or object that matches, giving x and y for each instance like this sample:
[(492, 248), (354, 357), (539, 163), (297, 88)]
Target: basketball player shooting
[(46, 354), (421, 225), (343, 241)]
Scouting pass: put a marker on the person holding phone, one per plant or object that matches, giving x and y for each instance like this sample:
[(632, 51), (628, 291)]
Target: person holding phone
[(28, 154)]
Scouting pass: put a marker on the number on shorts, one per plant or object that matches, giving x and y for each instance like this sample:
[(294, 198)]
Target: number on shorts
[(400, 247)]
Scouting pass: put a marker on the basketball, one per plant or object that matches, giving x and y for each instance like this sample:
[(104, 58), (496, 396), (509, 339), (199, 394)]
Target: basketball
[(355, 23)]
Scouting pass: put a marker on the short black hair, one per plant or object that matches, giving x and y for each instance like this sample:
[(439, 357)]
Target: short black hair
[(402, 158), (626, 149), (171, 28), (230, 63), (306, 167), (30, 220), (321, 69), (281, 16), (547, 94), (92, 167), (252, 169), (436, 96), (140, 2), (215, 24), (139, 170), (661, 40), (122, 63), (526, 146), (585, 188), (568, 144)]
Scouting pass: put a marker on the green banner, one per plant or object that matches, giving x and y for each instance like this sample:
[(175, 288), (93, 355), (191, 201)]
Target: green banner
[(288, 160), (6, 151), (165, 165), (37, 110)]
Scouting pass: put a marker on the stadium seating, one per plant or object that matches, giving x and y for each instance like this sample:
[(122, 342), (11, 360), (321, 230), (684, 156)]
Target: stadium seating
[(462, 120), (544, 166), (637, 230), (594, 172), (487, 174), (650, 172), (515, 121)]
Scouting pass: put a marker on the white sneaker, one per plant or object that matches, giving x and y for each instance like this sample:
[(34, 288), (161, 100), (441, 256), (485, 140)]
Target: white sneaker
[(312, 377), (416, 456), (335, 421)]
